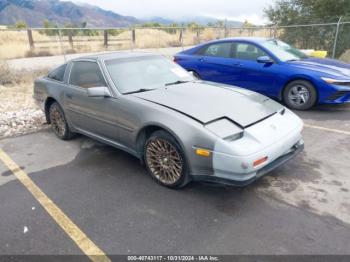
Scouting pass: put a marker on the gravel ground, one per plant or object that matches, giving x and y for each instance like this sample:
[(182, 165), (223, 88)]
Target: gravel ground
[(20, 122)]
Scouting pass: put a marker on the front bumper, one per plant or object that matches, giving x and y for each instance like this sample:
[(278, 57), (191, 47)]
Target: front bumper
[(339, 97), (332, 94), (294, 150)]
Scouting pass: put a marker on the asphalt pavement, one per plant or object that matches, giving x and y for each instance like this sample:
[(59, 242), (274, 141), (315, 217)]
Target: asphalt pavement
[(300, 208)]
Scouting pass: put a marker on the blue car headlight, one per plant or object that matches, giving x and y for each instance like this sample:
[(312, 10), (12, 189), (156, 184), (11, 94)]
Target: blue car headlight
[(338, 82)]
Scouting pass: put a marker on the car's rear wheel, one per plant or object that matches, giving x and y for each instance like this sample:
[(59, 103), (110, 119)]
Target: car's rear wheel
[(195, 74), (300, 95), (165, 160), (58, 122)]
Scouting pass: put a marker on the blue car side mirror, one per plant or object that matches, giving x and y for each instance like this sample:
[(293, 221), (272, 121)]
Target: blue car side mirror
[(264, 60)]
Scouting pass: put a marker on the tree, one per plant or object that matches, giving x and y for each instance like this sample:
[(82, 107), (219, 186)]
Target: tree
[(249, 27), (20, 25), (296, 12), (151, 24), (220, 23), (49, 32)]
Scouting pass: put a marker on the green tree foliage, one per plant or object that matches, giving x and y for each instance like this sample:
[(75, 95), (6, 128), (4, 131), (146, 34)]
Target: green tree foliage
[(294, 12), (151, 24), (248, 27), (49, 31), (20, 25)]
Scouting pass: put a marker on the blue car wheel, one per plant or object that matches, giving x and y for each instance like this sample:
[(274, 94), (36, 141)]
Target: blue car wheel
[(300, 95)]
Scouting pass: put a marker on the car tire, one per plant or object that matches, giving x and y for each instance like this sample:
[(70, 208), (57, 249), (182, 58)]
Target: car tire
[(300, 95), (58, 122), (195, 74), (165, 160)]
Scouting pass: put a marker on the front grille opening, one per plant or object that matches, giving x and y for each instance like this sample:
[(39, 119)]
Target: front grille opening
[(338, 95)]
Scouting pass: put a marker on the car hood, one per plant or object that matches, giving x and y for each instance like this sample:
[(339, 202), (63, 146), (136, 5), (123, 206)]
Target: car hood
[(327, 66), (206, 101)]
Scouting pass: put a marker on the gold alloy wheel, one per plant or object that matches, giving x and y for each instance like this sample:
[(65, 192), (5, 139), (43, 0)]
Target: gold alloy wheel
[(58, 122), (164, 161)]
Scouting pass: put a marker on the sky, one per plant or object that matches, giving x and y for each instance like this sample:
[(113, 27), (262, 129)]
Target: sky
[(238, 10)]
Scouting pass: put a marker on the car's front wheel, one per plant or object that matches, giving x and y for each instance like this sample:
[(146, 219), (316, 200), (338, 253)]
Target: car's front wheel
[(300, 95), (58, 122), (165, 160)]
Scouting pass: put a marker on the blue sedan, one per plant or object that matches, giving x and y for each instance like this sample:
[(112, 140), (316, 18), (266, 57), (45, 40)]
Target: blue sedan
[(270, 67)]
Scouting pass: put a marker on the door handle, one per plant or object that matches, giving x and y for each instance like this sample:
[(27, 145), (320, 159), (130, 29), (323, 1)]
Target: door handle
[(201, 59)]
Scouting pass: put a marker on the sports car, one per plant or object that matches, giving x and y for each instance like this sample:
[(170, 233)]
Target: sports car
[(181, 128)]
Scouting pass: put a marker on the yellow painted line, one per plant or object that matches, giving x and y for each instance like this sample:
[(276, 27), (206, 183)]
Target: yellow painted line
[(71, 229), (328, 129)]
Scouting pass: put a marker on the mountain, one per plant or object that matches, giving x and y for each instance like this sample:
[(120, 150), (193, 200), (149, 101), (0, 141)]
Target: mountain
[(34, 12), (201, 20)]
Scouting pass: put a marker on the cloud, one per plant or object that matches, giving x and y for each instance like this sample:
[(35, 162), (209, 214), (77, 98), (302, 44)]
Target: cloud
[(241, 10)]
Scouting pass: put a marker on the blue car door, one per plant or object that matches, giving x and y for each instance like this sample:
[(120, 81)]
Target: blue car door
[(258, 77), (215, 63)]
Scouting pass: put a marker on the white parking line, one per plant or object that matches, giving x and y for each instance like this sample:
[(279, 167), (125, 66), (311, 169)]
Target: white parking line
[(328, 129)]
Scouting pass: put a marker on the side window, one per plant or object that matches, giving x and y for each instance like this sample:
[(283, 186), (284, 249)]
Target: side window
[(86, 74), (58, 73), (247, 51), (217, 50)]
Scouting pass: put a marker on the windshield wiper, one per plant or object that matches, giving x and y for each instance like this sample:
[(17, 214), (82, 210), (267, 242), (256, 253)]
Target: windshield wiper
[(292, 60), (138, 91), (176, 82)]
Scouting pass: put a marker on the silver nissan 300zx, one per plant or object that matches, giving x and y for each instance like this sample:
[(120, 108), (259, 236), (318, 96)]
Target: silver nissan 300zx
[(182, 128)]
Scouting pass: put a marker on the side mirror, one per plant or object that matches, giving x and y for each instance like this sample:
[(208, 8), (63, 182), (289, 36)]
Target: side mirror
[(264, 60), (100, 91)]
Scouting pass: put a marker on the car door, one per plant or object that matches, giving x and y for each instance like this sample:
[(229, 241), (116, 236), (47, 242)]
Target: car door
[(92, 115), (215, 63), (259, 77)]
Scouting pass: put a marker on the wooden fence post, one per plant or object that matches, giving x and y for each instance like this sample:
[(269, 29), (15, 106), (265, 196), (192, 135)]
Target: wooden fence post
[(133, 36), (30, 39), (180, 37), (105, 38), (70, 38)]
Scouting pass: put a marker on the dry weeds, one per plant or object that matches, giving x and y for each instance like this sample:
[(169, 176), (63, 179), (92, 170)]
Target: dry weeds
[(16, 88), (345, 57)]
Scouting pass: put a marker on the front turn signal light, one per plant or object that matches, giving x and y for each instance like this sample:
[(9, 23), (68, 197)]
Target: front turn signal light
[(202, 152), (260, 161)]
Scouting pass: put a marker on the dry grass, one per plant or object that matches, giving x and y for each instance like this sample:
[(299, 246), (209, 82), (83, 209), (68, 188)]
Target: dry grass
[(345, 57), (14, 44), (17, 91), (6, 77)]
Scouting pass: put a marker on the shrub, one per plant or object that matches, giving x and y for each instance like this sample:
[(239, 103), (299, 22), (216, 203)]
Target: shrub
[(32, 53), (6, 76), (9, 77)]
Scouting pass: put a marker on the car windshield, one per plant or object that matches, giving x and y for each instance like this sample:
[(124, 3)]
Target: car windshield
[(145, 73), (283, 51)]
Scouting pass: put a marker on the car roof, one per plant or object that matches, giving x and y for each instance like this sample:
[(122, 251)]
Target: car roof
[(248, 39), (115, 55)]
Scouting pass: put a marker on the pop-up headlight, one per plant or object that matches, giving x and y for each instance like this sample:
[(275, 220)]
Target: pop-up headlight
[(225, 129)]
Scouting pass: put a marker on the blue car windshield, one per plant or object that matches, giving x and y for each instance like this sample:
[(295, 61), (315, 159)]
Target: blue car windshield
[(283, 51), (144, 73)]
